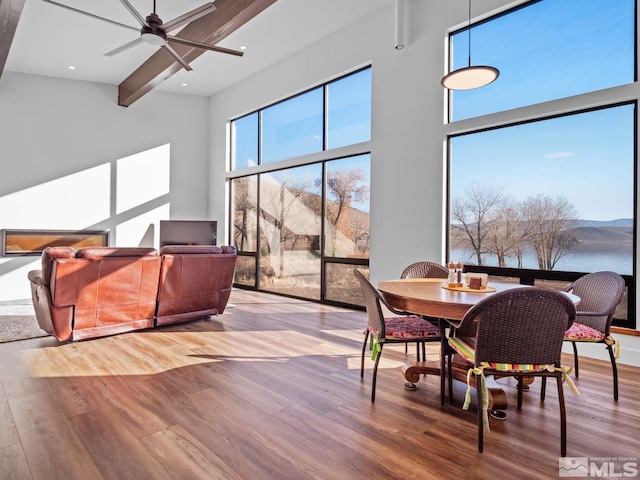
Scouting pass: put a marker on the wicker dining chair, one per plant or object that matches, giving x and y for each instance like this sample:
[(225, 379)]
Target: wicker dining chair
[(424, 269), (518, 333), (600, 293), (400, 329)]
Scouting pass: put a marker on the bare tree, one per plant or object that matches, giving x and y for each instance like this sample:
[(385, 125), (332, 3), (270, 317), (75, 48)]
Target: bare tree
[(474, 214), (507, 233), (344, 187), (242, 205), (549, 221)]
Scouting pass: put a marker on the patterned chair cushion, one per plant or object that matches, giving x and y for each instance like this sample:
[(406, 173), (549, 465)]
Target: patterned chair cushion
[(582, 333), (409, 327), (466, 347)]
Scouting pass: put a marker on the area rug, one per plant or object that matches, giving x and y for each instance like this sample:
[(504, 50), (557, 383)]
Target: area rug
[(18, 322)]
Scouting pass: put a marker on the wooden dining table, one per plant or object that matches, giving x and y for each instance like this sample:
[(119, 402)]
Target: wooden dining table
[(431, 297)]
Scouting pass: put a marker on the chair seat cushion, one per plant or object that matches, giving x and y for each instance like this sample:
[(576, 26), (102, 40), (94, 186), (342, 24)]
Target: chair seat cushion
[(409, 327), (582, 333), (466, 347)]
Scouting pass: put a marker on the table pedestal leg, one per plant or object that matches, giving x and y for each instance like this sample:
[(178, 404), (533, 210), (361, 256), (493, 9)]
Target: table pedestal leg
[(413, 370)]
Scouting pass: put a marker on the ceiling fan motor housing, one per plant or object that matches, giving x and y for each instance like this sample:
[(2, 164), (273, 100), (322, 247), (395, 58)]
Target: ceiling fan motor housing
[(153, 33)]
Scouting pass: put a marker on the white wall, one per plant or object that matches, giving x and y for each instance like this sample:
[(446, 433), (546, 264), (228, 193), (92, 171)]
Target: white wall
[(408, 131), (73, 159)]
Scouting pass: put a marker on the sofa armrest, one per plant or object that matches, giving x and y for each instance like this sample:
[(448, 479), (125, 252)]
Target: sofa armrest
[(56, 321), (35, 277)]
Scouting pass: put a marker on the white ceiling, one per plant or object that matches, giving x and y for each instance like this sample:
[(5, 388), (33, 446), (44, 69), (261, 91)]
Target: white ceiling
[(49, 39)]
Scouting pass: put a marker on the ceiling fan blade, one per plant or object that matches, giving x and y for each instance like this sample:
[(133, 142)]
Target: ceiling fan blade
[(124, 47), (188, 17), (113, 22), (205, 46), (134, 12), (176, 57)]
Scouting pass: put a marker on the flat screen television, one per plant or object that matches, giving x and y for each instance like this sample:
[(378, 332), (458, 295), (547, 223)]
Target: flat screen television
[(188, 232)]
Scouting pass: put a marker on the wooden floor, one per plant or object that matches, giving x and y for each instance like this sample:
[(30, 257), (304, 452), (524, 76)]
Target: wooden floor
[(272, 390)]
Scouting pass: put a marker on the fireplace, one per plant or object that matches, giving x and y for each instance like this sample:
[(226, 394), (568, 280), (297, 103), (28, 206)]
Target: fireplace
[(33, 242)]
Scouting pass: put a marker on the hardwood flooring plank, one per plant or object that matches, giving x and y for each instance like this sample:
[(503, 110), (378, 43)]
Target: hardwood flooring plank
[(8, 430), (235, 441), (282, 453), (13, 463), (51, 445), (16, 376), (185, 458), (116, 452)]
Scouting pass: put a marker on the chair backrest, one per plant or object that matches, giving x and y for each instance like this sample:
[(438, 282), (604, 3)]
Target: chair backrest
[(523, 325), (372, 300), (600, 293), (425, 270)]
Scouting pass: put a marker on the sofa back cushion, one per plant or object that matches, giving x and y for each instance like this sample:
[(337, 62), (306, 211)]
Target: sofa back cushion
[(189, 249), (195, 280), (107, 285)]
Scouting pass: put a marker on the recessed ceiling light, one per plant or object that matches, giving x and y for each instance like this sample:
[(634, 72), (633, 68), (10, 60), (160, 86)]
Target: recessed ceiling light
[(185, 84), (243, 47), (71, 67)]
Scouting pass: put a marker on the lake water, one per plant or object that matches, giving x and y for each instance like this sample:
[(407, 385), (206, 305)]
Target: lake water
[(618, 259)]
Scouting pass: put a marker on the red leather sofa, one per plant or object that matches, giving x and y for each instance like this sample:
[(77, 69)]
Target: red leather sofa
[(98, 291)]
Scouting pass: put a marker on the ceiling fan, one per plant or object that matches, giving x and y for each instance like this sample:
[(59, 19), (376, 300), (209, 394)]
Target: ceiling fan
[(155, 32)]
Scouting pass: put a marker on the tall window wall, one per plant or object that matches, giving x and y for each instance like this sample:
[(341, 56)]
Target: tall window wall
[(300, 177), (542, 163)]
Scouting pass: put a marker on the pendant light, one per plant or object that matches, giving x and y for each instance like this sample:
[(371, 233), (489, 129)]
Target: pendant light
[(468, 78)]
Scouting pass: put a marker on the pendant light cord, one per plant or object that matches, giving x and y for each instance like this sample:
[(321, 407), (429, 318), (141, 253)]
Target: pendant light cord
[(468, 32)]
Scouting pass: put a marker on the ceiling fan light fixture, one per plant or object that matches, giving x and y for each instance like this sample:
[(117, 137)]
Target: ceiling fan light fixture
[(468, 78), (153, 36)]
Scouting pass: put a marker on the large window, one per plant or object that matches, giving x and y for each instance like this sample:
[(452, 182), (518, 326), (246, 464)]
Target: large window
[(546, 50), (547, 190), (556, 194), (300, 230)]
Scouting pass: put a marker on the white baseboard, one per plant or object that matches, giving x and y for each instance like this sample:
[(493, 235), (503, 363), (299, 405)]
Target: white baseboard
[(629, 350)]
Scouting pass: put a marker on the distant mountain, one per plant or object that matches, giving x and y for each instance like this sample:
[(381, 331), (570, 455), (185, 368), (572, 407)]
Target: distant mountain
[(602, 234), (586, 232), (620, 222)]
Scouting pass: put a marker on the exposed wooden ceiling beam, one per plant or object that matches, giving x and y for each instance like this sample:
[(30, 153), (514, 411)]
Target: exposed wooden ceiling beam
[(10, 11), (212, 28)]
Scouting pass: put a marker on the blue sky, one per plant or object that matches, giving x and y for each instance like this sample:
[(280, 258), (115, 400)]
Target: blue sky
[(588, 158)]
